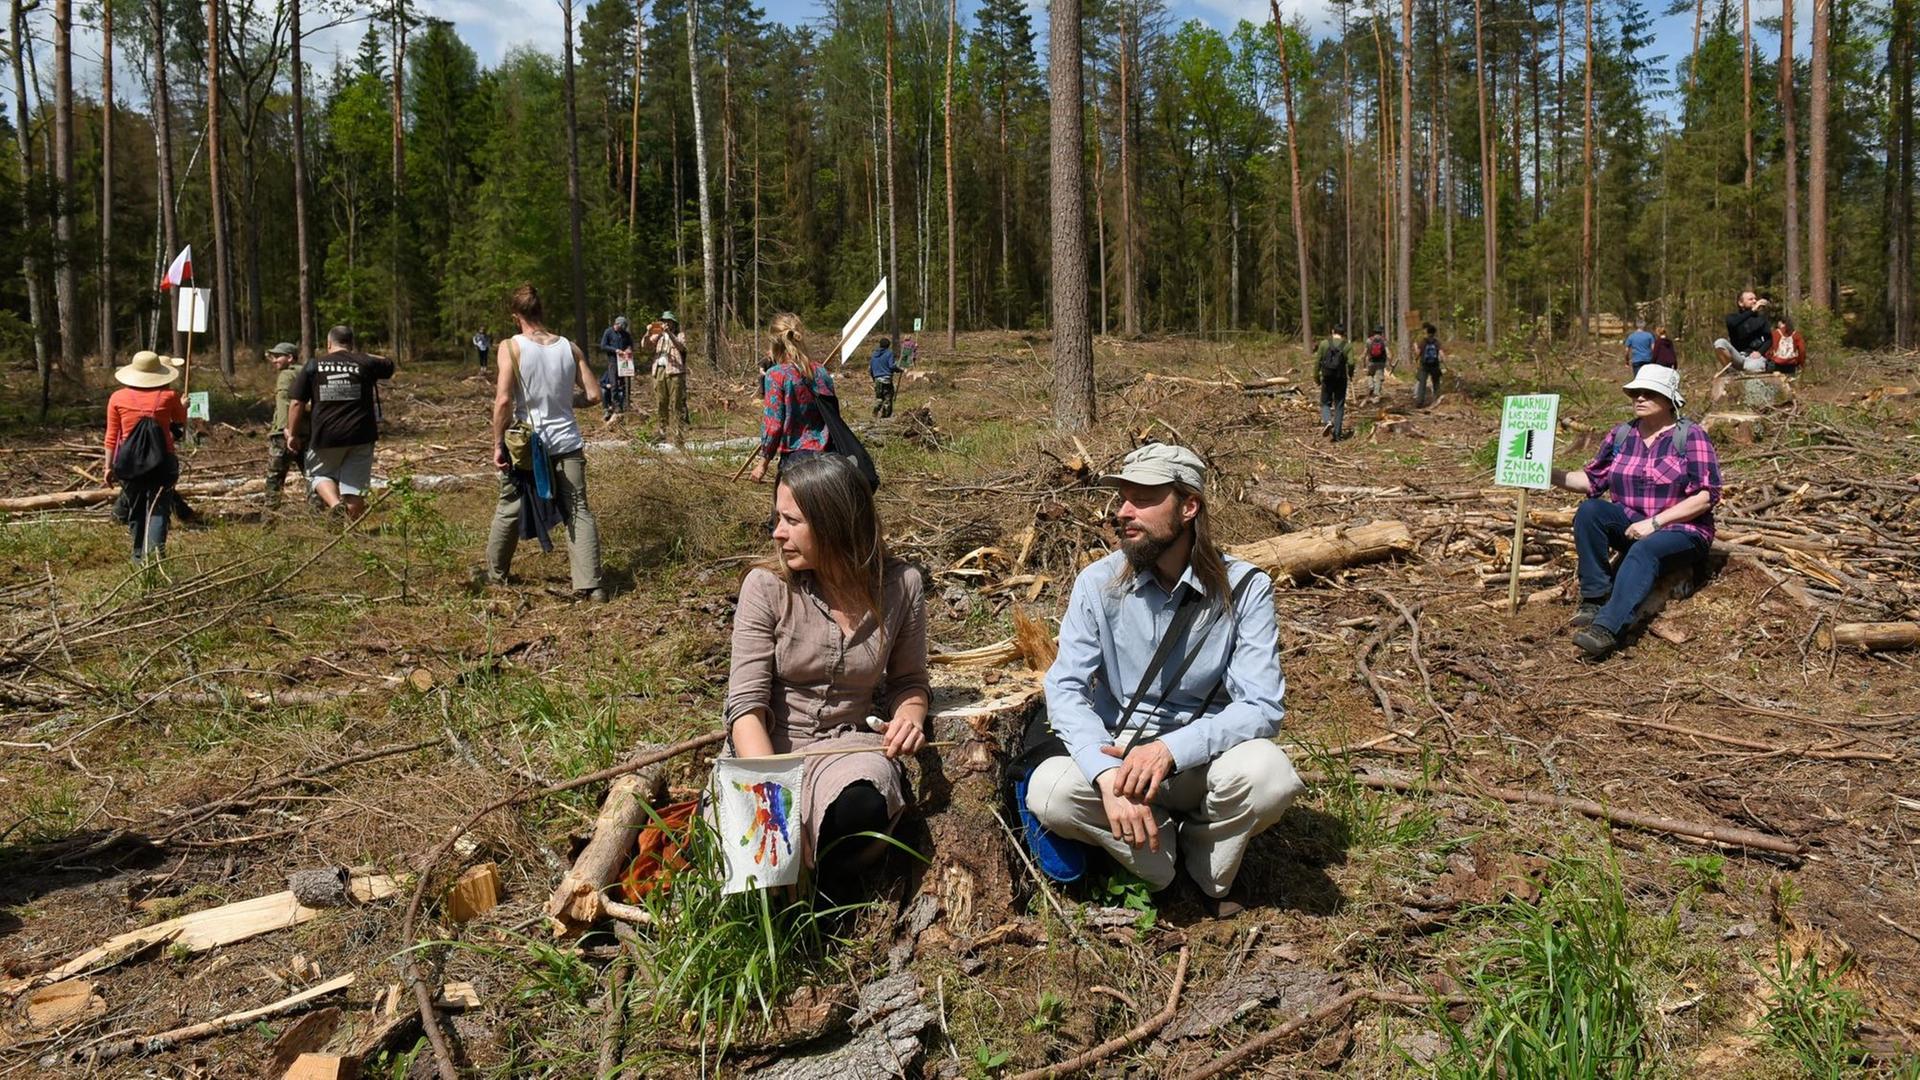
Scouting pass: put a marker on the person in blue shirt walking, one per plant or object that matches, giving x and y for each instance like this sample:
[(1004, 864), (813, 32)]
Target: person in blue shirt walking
[(1639, 346), (616, 345), (1190, 773), (883, 367)]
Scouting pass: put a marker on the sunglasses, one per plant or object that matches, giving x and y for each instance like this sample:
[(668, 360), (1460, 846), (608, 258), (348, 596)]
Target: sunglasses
[(1638, 394)]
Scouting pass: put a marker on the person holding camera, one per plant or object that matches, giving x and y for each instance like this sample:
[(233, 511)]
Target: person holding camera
[(669, 347)]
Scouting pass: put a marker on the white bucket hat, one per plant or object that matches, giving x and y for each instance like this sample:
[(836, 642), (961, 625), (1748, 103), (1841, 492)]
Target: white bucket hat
[(1660, 379)]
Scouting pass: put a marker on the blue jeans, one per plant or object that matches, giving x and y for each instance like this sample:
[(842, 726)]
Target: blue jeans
[(1599, 529), (152, 509)]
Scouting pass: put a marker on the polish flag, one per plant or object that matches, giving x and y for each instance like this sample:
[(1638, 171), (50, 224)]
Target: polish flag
[(180, 271)]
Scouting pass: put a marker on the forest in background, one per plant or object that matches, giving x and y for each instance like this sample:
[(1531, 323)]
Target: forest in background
[(1536, 162)]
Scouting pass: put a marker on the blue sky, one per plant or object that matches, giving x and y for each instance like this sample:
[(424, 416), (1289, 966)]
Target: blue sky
[(494, 26)]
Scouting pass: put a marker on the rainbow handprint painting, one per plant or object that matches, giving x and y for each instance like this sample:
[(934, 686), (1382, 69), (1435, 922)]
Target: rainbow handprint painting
[(758, 804)]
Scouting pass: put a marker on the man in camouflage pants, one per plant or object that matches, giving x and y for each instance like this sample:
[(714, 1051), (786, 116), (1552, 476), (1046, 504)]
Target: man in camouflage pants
[(280, 460)]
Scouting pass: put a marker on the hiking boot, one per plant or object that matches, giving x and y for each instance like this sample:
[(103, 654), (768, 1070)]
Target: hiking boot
[(593, 596), (1597, 641), (1223, 907), (1586, 613)]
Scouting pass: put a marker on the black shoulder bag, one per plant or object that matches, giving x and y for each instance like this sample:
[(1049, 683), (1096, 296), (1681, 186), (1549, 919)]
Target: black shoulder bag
[(841, 440)]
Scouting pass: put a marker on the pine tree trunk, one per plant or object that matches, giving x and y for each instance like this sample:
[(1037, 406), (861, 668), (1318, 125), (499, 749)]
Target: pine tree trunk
[(302, 253), (1347, 258), (106, 184), (217, 195), (66, 273), (1819, 268), (953, 221), (1403, 343), (578, 245), (1790, 155), (1900, 165), (1073, 403), (1445, 19), (1129, 248), (1489, 204), (1100, 206), (1293, 176), (707, 268), (1746, 122), (1693, 58), (163, 152), (633, 165), (1383, 177), (1586, 189), (894, 292), (29, 266), (396, 317)]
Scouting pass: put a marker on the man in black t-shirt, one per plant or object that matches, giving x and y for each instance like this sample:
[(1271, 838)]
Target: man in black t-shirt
[(333, 421)]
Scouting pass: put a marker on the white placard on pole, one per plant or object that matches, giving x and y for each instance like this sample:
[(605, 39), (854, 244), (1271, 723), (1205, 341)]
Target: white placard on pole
[(199, 406), (1525, 461), (863, 320), (1525, 457), (190, 310)]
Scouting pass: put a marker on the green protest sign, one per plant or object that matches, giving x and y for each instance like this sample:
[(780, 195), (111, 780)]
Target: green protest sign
[(1526, 441), (199, 406)]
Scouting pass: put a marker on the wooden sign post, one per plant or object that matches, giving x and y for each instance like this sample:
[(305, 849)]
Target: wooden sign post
[(1525, 461)]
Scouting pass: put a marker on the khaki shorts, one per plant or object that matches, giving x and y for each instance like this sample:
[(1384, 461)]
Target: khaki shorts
[(349, 467)]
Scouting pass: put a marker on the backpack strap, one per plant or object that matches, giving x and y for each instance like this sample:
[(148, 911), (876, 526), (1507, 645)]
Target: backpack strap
[(1182, 619)]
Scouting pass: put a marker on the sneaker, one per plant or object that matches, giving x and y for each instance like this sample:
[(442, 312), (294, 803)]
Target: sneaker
[(1586, 613), (1597, 641), (1223, 907)]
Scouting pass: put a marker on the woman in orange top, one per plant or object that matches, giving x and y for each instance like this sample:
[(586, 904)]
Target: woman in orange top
[(146, 499)]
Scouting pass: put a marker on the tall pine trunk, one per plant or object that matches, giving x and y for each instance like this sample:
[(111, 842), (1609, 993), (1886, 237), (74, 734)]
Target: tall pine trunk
[(578, 245), (29, 266), (217, 196), (708, 285), (894, 292), (1746, 122), (1073, 403), (163, 150), (1403, 338), (1790, 154), (66, 281), (1293, 176), (396, 318), (302, 252), (1901, 47), (1586, 189), (1821, 289), (106, 184), (633, 166), (1489, 184), (953, 228), (1129, 248)]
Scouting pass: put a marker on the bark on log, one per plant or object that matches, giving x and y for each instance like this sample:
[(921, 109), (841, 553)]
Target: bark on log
[(972, 873), (65, 500), (577, 901), (1878, 635), (1302, 555)]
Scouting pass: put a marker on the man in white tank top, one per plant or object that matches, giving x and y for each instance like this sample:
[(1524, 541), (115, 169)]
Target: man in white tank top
[(538, 371)]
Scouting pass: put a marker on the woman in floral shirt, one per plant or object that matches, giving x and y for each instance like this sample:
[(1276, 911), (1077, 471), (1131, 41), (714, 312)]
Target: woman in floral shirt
[(1664, 477)]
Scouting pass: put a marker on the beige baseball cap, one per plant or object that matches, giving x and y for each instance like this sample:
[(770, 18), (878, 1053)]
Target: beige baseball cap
[(1161, 463)]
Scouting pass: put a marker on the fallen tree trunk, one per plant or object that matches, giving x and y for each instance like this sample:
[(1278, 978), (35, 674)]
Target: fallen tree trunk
[(66, 500), (1299, 556), (1874, 636), (578, 901)]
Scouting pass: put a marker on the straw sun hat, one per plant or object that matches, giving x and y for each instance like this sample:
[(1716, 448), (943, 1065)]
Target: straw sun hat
[(148, 370)]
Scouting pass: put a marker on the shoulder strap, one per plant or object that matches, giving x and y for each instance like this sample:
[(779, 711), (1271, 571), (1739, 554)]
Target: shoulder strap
[(1182, 620), (513, 353)]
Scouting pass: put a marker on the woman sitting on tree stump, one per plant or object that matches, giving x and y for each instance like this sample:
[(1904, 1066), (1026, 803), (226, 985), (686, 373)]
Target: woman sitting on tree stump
[(1665, 479), (828, 630)]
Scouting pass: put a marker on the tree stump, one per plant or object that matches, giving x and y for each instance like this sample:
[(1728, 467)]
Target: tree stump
[(1754, 391), (1738, 427), (972, 872)]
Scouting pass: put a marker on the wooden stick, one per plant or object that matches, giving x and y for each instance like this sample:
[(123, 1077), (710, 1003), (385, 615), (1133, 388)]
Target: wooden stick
[(1274, 1035), (1748, 744), (1878, 635), (423, 997), (1519, 541), (167, 1040), (1139, 1031), (1716, 834)]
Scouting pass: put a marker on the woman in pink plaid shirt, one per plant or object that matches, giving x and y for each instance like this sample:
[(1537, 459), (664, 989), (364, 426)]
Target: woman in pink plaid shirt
[(1665, 479)]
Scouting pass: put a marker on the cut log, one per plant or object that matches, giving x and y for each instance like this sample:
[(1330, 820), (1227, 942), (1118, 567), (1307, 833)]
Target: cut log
[(576, 901), (474, 893), (972, 872), (1876, 636), (1758, 391), (323, 1067), (207, 929), (64, 1003), (66, 500), (304, 1037), (1302, 555), (1738, 427)]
